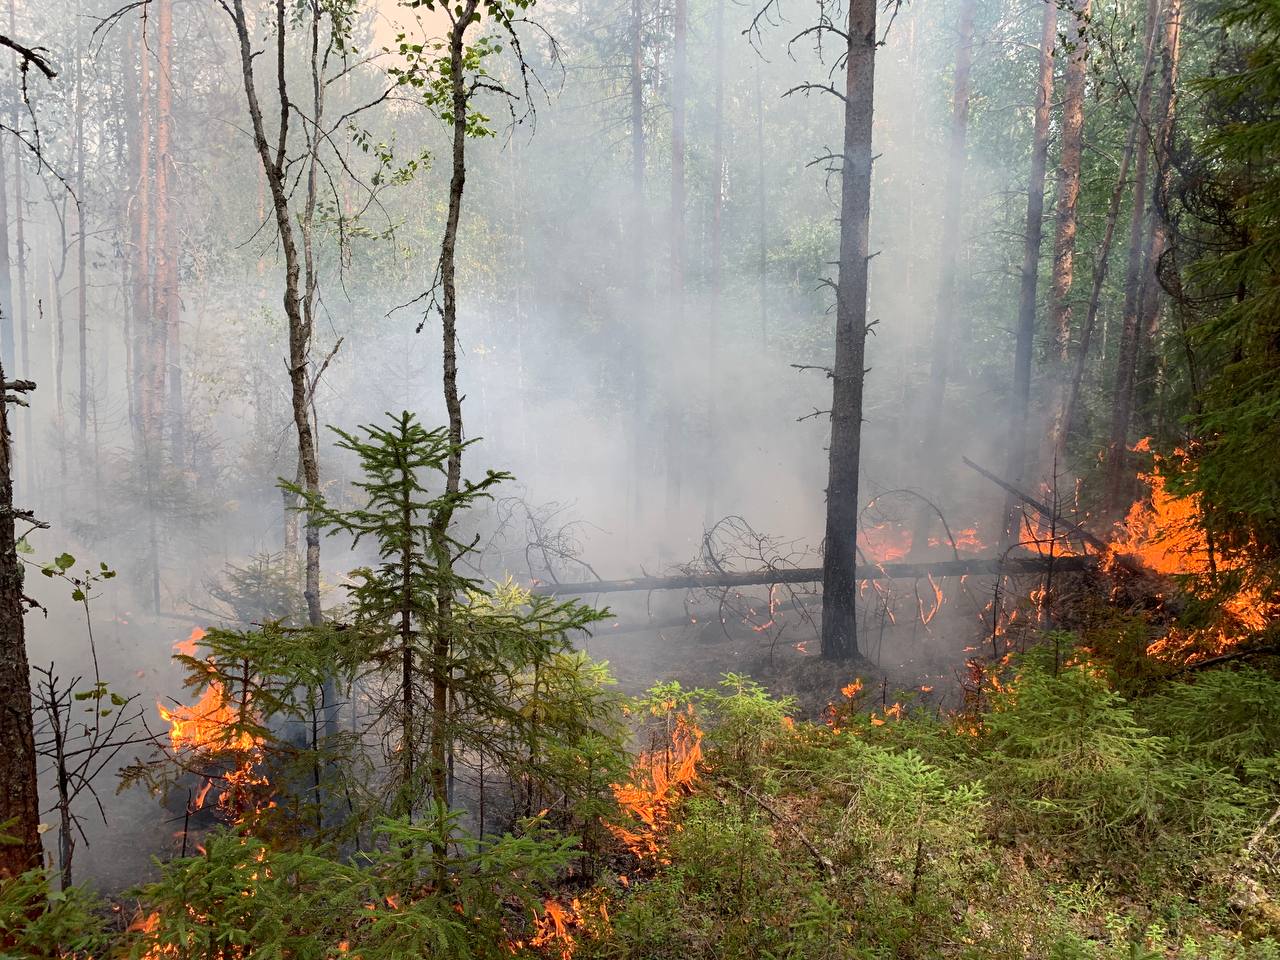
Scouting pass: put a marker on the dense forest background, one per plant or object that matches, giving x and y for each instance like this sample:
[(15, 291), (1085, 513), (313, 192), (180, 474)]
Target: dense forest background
[(894, 385)]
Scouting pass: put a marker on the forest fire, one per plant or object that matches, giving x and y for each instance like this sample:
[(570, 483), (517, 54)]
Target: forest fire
[(211, 723), (1166, 534), (659, 778)]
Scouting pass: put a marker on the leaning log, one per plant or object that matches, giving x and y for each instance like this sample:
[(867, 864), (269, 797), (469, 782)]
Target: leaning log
[(1010, 566)]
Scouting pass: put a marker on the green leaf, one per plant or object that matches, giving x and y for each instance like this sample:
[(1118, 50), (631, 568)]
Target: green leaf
[(64, 561)]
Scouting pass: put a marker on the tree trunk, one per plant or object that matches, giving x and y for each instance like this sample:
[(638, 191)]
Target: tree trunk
[(273, 166), (1159, 233), (944, 318), (1064, 240), (19, 795), (1118, 476), (839, 593), (1101, 262), (1020, 400), (442, 641), (674, 414)]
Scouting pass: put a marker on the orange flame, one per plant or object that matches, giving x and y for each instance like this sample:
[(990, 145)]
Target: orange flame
[(658, 779)]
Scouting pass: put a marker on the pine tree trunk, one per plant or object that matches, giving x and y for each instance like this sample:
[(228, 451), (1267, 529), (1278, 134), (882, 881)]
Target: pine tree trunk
[(19, 794), (1020, 399), (1064, 240), (944, 318), (1118, 481), (839, 592)]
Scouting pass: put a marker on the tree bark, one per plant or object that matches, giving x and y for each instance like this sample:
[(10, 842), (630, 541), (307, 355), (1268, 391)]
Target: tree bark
[(6, 273), (273, 162), (19, 793), (839, 593), (1020, 399), (1064, 240), (1118, 478)]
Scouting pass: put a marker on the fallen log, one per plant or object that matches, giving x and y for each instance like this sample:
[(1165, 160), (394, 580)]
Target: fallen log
[(1010, 566)]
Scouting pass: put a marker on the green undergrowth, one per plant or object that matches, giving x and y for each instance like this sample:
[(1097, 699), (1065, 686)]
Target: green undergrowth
[(1065, 822)]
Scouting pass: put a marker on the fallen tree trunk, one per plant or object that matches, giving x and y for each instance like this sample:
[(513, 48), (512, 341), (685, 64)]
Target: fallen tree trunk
[(1010, 566)]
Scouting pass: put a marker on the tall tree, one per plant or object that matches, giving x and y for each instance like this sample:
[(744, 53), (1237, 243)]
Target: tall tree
[(1020, 399), (1065, 213), (1118, 478), (839, 589), (1158, 233), (299, 292)]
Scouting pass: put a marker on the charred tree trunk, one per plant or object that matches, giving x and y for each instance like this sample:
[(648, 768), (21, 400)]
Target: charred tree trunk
[(1064, 239), (19, 794), (944, 318), (1020, 400), (1118, 475), (839, 593)]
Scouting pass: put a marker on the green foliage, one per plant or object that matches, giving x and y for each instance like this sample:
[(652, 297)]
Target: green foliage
[(1237, 196), (40, 923), (246, 898)]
